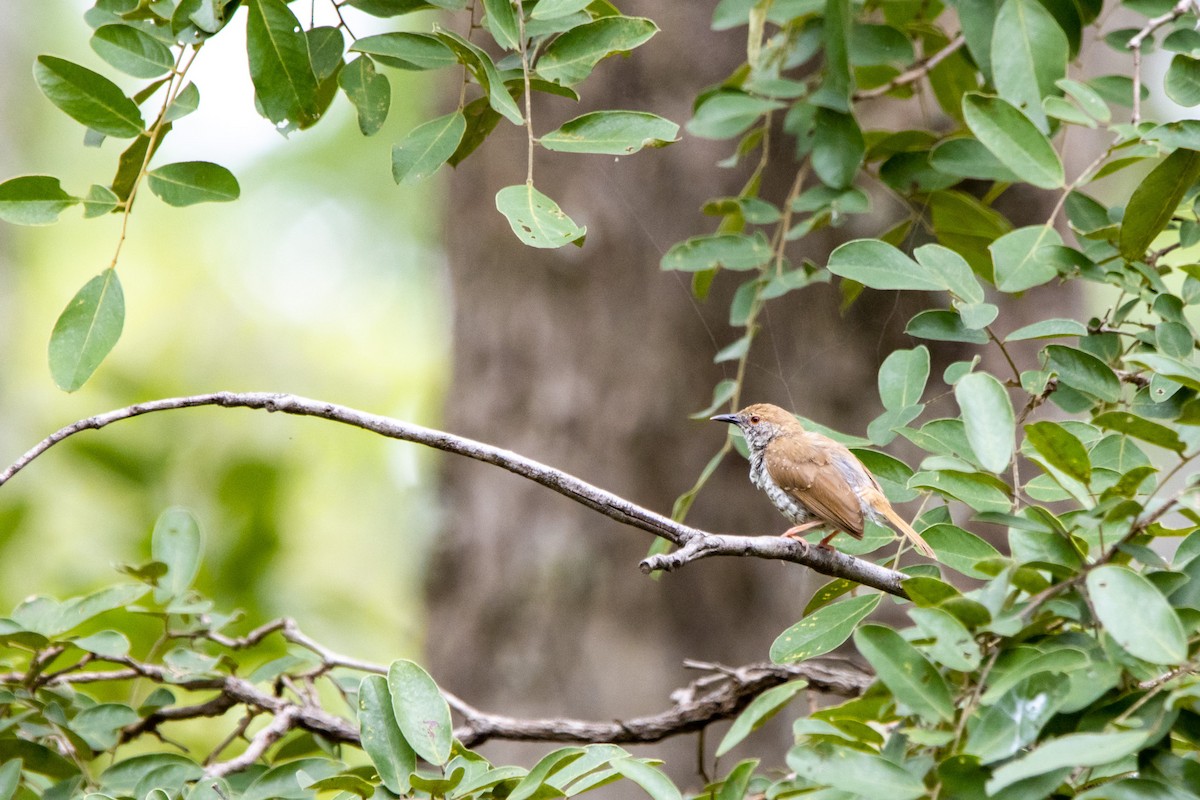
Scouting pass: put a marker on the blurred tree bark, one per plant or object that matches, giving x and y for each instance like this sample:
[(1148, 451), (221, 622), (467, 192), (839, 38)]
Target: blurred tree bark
[(591, 359)]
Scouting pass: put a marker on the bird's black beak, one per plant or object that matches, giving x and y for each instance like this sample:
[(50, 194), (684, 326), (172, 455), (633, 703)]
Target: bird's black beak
[(730, 418)]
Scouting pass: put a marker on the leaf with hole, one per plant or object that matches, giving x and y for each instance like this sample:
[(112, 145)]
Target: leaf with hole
[(536, 219)]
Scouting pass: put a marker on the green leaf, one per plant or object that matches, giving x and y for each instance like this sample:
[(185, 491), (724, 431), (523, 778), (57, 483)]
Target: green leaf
[(132, 51), (760, 710), (382, 740), (78, 610), (421, 712), (33, 200), (1087, 98), (953, 270), (405, 50), (1016, 719), (1029, 55), (111, 644), (1083, 372), (1061, 449), (502, 23), (280, 66), (613, 132), (835, 89), (736, 782), (954, 647), (571, 57), (552, 9), (427, 147), (1141, 428), (1022, 258), (546, 766), (969, 158), (988, 416), (100, 725), (87, 330), (186, 183), (368, 91), (1168, 367), (176, 542), (1048, 329), (1013, 139), (1182, 83), (725, 114), (1154, 201), (726, 250), (99, 201), (822, 631), (536, 219), (838, 148), (902, 377), (10, 778), (1154, 632), (1077, 750), (912, 680), (657, 785), (484, 70), (88, 97), (975, 489), (854, 772), (943, 325), (960, 550), (879, 265)]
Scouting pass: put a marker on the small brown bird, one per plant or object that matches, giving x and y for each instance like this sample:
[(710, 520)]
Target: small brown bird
[(813, 480)]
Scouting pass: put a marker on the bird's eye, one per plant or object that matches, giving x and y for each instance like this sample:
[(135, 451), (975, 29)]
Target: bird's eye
[(754, 420)]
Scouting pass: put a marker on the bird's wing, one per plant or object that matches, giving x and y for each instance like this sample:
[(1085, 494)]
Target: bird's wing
[(811, 468)]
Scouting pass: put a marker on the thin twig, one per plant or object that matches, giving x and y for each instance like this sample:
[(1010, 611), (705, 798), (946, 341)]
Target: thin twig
[(1135, 45), (916, 72), (695, 542)]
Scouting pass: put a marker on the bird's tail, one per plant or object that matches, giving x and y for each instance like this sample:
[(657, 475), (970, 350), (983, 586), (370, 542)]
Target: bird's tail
[(907, 530)]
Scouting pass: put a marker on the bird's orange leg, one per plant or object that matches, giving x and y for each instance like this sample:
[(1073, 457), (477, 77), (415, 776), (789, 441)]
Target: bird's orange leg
[(794, 532), (825, 542)]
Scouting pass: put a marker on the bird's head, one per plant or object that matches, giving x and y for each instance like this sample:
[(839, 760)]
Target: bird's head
[(760, 423)]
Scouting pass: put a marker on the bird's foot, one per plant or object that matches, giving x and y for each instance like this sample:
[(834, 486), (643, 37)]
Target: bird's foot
[(794, 532)]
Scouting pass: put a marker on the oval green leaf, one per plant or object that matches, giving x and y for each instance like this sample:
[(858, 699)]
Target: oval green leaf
[(1021, 258), (132, 51), (902, 377), (382, 740), (1154, 632), (1154, 201), (369, 92), (1029, 54), (33, 200), (988, 418), (734, 251), (536, 219), (1083, 372), (88, 97), (280, 65), (1048, 329), (1013, 140), (656, 784), (879, 265), (421, 712), (176, 542), (1182, 83), (960, 550), (87, 330), (822, 631), (760, 710), (611, 132), (186, 183), (571, 57), (1076, 750), (1061, 449), (427, 147), (909, 676), (405, 50)]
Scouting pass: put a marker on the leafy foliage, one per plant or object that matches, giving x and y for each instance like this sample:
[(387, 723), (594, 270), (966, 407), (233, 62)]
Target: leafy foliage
[(1061, 663)]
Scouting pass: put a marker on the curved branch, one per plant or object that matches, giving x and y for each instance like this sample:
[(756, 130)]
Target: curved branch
[(695, 543)]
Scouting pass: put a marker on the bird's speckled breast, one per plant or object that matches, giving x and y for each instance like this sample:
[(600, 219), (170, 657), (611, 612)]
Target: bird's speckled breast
[(789, 506)]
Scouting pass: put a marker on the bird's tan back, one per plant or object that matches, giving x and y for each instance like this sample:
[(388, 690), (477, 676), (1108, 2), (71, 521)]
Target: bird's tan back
[(804, 466)]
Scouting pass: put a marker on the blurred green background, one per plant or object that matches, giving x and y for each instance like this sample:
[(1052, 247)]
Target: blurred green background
[(325, 279)]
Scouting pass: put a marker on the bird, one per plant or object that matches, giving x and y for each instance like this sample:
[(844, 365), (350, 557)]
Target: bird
[(813, 480)]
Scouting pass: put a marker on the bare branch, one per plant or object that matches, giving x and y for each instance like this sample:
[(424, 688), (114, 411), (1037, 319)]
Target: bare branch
[(702, 544), (1135, 45), (284, 721)]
